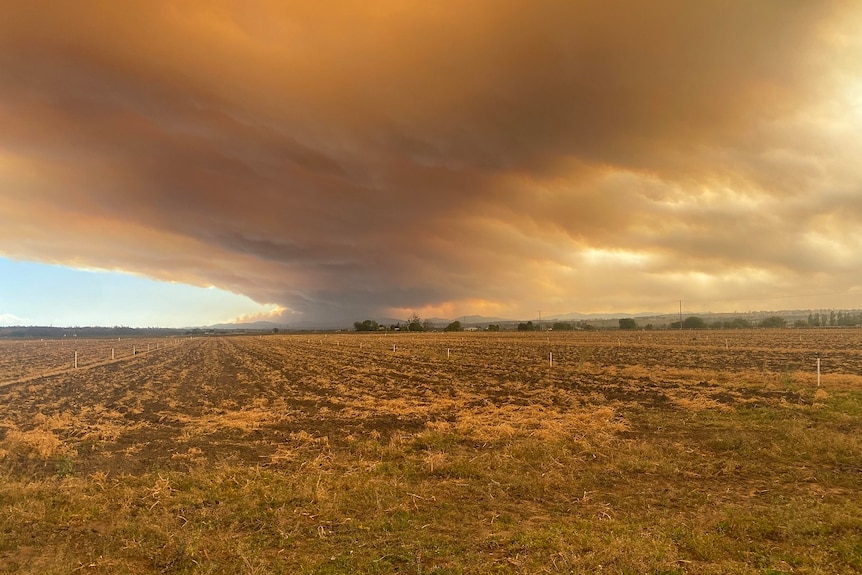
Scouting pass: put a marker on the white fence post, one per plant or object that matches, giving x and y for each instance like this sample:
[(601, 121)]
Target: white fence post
[(818, 372)]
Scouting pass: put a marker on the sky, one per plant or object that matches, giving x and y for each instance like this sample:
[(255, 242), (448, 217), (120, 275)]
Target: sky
[(335, 161), (52, 295)]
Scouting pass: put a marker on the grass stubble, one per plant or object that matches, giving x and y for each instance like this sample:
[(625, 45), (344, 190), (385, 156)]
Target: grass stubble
[(313, 454)]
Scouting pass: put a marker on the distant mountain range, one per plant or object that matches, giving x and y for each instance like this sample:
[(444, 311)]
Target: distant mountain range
[(601, 320), (255, 325), (484, 321), (467, 320)]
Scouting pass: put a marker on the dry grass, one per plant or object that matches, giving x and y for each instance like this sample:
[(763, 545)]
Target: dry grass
[(651, 453)]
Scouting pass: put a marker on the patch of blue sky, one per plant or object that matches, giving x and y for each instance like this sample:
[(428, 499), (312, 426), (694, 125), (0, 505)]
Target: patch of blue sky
[(42, 294)]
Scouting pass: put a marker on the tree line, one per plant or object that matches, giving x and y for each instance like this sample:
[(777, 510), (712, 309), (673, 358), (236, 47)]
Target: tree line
[(413, 323), (833, 318)]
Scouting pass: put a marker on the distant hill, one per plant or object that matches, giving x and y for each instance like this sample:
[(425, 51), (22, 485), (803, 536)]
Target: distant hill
[(575, 316), (470, 320), (467, 320), (255, 325), (34, 331), (600, 320)]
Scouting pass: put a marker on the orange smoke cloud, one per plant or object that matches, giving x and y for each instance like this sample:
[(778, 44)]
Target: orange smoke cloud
[(342, 160)]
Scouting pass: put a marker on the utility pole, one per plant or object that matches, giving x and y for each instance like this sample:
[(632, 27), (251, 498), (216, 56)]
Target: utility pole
[(680, 315)]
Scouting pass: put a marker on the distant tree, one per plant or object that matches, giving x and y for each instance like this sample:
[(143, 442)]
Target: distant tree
[(427, 325), (773, 321), (693, 322), (275, 330), (852, 319), (848, 319), (367, 325), (454, 326), (739, 322), (414, 323), (800, 323), (526, 326), (628, 323), (493, 327)]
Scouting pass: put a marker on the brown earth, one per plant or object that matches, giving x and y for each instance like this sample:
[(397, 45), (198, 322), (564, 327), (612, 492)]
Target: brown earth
[(662, 452)]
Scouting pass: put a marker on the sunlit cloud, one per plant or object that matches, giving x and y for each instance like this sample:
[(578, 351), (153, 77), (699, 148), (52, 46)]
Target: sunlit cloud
[(615, 258), (276, 313), (11, 319)]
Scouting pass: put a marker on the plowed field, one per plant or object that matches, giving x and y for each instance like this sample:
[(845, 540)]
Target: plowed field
[(620, 452)]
